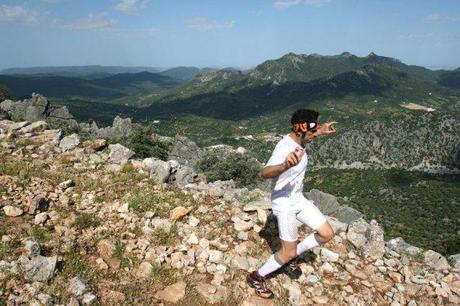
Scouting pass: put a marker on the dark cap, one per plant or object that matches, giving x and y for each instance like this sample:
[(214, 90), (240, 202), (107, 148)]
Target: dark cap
[(304, 115)]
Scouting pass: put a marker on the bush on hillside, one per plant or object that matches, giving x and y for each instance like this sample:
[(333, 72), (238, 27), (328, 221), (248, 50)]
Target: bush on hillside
[(241, 168), (4, 93), (141, 142)]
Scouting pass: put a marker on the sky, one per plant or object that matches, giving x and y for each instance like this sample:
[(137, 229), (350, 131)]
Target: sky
[(218, 33)]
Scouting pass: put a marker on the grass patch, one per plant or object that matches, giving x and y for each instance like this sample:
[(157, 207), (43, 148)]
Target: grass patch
[(127, 174), (143, 199), (84, 221), (162, 237), (162, 275)]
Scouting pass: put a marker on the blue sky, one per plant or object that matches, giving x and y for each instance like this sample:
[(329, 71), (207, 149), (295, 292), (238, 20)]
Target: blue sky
[(238, 33)]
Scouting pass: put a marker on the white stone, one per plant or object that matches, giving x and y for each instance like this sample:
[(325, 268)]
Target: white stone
[(328, 255), (12, 211)]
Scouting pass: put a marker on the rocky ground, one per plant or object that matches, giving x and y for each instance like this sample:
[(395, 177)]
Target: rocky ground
[(83, 223)]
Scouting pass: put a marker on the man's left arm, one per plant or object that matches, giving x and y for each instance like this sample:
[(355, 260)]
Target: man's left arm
[(325, 129)]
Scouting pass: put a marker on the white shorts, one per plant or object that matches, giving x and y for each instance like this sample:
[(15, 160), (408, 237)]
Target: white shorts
[(297, 207)]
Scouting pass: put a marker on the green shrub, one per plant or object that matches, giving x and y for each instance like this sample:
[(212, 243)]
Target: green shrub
[(241, 168), (141, 142), (4, 93), (17, 117)]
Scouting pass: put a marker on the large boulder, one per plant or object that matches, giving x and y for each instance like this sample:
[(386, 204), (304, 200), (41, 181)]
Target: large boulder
[(35, 267), (435, 260), (69, 142), (183, 175), (329, 205), (454, 261), (39, 108), (185, 151), (398, 245), (367, 238), (119, 154), (120, 127), (158, 170)]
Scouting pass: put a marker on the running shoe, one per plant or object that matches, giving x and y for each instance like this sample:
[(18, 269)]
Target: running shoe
[(258, 282), (292, 269)]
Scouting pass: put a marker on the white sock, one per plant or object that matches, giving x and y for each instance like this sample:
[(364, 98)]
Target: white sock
[(270, 266), (310, 242)]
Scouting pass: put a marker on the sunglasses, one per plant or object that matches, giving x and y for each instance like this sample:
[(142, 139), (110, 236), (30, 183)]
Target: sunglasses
[(307, 127)]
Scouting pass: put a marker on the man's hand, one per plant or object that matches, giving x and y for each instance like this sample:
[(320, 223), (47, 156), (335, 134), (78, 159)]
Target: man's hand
[(326, 129), (294, 157)]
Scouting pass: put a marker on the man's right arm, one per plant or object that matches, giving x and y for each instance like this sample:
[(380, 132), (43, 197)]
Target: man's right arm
[(274, 171)]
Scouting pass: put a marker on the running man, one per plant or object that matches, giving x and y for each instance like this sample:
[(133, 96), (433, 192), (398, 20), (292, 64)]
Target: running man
[(286, 167)]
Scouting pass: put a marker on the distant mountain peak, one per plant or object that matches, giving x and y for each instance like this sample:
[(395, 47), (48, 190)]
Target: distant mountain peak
[(346, 54)]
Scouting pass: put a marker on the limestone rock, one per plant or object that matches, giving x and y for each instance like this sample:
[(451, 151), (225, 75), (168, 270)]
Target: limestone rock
[(185, 151), (435, 260), (144, 270), (329, 205), (255, 205), (95, 144), (33, 127), (38, 268), (172, 293), (368, 238), (182, 176), (400, 246), (41, 218), (213, 294), (454, 260), (119, 154), (178, 212), (106, 249), (69, 142), (159, 170), (76, 287), (12, 211)]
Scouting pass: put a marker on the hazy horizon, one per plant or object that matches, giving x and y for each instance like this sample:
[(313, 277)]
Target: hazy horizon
[(431, 67)]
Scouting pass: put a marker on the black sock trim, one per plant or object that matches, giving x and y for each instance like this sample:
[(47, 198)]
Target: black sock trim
[(277, 259), (316, 236)]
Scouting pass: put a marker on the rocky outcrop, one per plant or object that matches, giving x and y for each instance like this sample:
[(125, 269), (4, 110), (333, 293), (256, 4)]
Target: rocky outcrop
[(39, 108), (407, 144), (185, 151), (329, 205), (120, 127)]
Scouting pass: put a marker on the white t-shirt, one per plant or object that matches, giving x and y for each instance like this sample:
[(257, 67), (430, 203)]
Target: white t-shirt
[(290, 182)]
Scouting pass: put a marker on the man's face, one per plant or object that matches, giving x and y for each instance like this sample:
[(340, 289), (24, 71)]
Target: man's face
[(308, 137)]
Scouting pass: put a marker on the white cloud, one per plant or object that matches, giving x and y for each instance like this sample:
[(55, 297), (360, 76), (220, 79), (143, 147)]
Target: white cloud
[(439, 17), (92, 22), (102, 23), (203, 24), (18, 14), (132, 7), (283, 4)]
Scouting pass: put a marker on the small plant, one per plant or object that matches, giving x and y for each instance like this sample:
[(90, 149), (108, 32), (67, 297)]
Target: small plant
[(162, 237), (85, 221), (241, 168), (143, 199), (162, 275), (17, 117)]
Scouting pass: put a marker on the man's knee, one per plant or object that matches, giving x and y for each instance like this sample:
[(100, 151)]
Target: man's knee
[(325, 232)]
